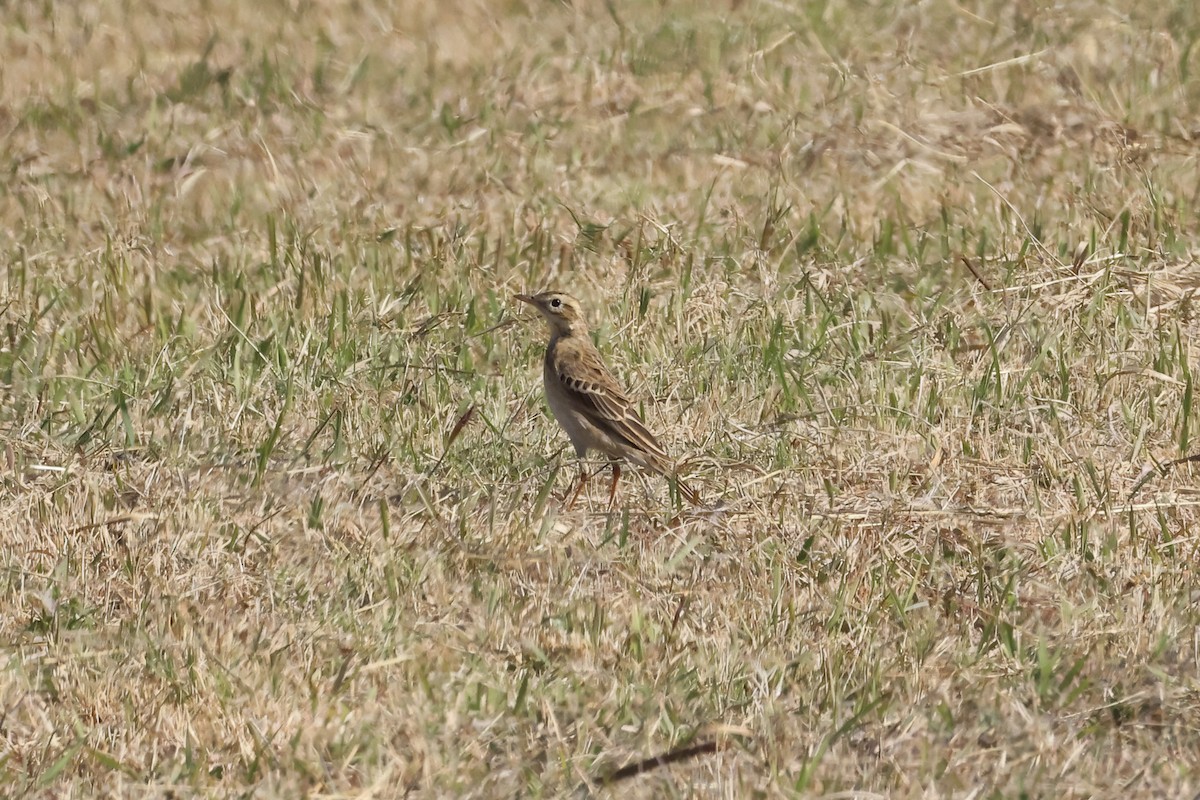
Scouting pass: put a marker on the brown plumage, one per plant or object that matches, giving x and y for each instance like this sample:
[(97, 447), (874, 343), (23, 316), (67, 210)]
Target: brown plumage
[(587, 400)]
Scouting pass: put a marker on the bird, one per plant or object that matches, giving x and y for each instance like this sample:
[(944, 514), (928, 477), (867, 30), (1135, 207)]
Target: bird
[(589, 403)]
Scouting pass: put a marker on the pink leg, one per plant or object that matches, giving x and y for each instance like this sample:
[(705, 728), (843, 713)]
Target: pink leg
[(583, 479), (612, 490)]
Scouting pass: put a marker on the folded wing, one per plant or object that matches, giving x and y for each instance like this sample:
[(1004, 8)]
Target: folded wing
[(608, 407)]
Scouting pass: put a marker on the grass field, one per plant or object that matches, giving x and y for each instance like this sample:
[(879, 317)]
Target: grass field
[(907, 288)]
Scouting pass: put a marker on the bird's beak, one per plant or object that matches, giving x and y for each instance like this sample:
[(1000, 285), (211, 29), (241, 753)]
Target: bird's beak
[(524, 298)]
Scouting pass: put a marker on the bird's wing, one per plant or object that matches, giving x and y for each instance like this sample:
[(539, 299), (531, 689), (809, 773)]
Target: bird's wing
[(596, 393)]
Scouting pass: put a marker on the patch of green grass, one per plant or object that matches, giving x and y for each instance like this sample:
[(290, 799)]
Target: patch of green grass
[(909, 295)]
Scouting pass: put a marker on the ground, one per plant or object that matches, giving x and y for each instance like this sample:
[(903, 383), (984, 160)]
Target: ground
[(906, 288)]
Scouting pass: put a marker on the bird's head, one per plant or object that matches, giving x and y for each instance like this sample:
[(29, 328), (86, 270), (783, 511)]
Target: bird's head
[(561, 311)]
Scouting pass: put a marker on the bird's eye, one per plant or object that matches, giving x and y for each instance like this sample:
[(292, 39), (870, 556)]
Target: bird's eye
[(555, 303)]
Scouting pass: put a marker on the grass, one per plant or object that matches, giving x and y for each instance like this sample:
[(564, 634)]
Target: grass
[(908, 290)]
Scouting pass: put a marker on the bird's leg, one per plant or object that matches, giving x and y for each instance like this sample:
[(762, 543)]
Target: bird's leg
[(583, 479), (612, 490)]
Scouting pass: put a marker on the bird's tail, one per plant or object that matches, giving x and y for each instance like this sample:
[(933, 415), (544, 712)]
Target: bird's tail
[(690, 494), (667, 469)]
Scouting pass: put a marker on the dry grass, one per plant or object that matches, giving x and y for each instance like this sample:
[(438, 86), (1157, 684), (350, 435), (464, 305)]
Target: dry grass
[(909, 289)]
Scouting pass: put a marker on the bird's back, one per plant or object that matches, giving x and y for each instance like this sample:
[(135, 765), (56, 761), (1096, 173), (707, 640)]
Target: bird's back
[(585, 396)]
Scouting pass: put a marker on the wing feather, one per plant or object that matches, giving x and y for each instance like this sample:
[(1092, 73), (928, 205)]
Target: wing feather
[(583, 374)]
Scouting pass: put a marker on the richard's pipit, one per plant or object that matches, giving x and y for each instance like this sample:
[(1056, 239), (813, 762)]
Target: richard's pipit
[(588, 402)]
